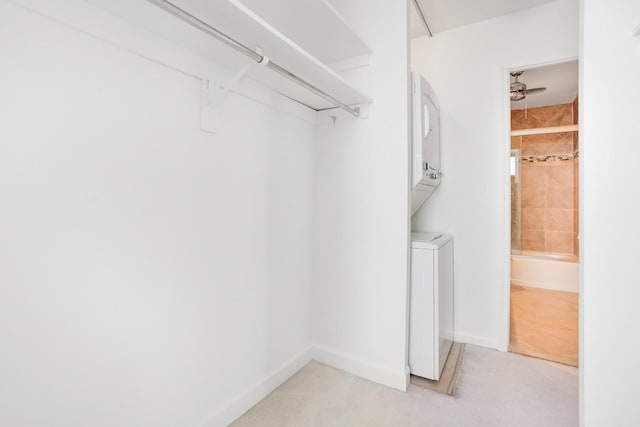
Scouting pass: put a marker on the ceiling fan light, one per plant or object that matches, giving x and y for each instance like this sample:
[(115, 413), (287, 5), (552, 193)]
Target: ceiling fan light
[(518, 86), (516, 96)]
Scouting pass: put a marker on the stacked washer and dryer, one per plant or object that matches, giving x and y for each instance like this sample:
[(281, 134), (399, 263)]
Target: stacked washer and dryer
[(431, 309)]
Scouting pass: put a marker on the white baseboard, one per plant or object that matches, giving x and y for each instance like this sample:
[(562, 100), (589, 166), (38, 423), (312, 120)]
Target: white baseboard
[(345, 362), (234, 408), (398, 380), (479, 341), (240, 404)]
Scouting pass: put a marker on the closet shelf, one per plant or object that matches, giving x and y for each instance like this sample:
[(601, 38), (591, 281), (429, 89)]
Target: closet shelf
[(302, 36), (541, 131)]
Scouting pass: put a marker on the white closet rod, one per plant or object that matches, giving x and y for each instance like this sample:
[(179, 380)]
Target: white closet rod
[(261, 59)]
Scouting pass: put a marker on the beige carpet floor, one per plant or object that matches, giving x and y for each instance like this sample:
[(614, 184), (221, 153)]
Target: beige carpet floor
[(494, 389)]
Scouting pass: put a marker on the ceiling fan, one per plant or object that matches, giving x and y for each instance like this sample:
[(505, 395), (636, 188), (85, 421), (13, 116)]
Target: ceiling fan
[(519, 91)]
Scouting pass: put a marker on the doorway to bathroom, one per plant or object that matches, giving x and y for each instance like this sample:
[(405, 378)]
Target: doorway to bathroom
[(543, 170)]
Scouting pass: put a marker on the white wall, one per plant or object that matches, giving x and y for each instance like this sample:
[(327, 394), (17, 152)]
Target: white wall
[(151, 274), (467, 68), (361, 215), (609, 149)]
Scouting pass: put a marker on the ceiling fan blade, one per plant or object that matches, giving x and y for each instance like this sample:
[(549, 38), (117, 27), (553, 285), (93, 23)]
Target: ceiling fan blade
[(534, 90)]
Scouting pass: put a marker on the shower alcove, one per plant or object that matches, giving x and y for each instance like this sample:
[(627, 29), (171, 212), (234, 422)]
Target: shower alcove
[(544, 232)]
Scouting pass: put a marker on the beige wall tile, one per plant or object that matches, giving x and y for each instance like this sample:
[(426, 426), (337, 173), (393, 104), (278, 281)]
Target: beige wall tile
[(534, 219), (533, 174), (556, 115), (553, 115), (548, 144), (516, 142), (560, 197), (559, 220), (533, 197), (560, 175), (559, 242), (533, 240)]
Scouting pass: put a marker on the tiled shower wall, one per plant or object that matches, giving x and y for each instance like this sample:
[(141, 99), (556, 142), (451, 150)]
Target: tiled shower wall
[(548, 180)]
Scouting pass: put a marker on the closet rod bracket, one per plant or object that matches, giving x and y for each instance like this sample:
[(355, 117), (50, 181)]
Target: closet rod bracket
[(215, 93), (333, 115)]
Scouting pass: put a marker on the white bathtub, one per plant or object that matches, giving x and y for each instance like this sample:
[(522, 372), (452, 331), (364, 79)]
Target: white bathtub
[(547, 271)]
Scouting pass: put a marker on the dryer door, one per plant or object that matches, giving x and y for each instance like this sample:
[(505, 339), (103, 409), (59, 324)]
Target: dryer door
[(426, 134), (430, 138)]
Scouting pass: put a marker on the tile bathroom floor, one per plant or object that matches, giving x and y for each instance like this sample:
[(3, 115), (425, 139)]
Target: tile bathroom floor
[(544, 324)]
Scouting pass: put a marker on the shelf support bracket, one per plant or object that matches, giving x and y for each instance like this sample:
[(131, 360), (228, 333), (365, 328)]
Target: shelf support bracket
[(213, 96), (215, 93)]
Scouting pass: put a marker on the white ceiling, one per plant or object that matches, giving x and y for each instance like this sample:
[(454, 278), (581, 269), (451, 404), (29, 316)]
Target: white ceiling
[(442, 15), (561, 81)]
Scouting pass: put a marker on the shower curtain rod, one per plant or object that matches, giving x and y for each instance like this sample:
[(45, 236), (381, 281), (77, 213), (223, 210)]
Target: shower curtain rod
[(545, 130), (259, 58)]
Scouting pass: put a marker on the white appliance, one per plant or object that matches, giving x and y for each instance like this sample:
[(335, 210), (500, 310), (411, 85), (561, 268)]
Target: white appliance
[(425, 146), (431, 318)]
